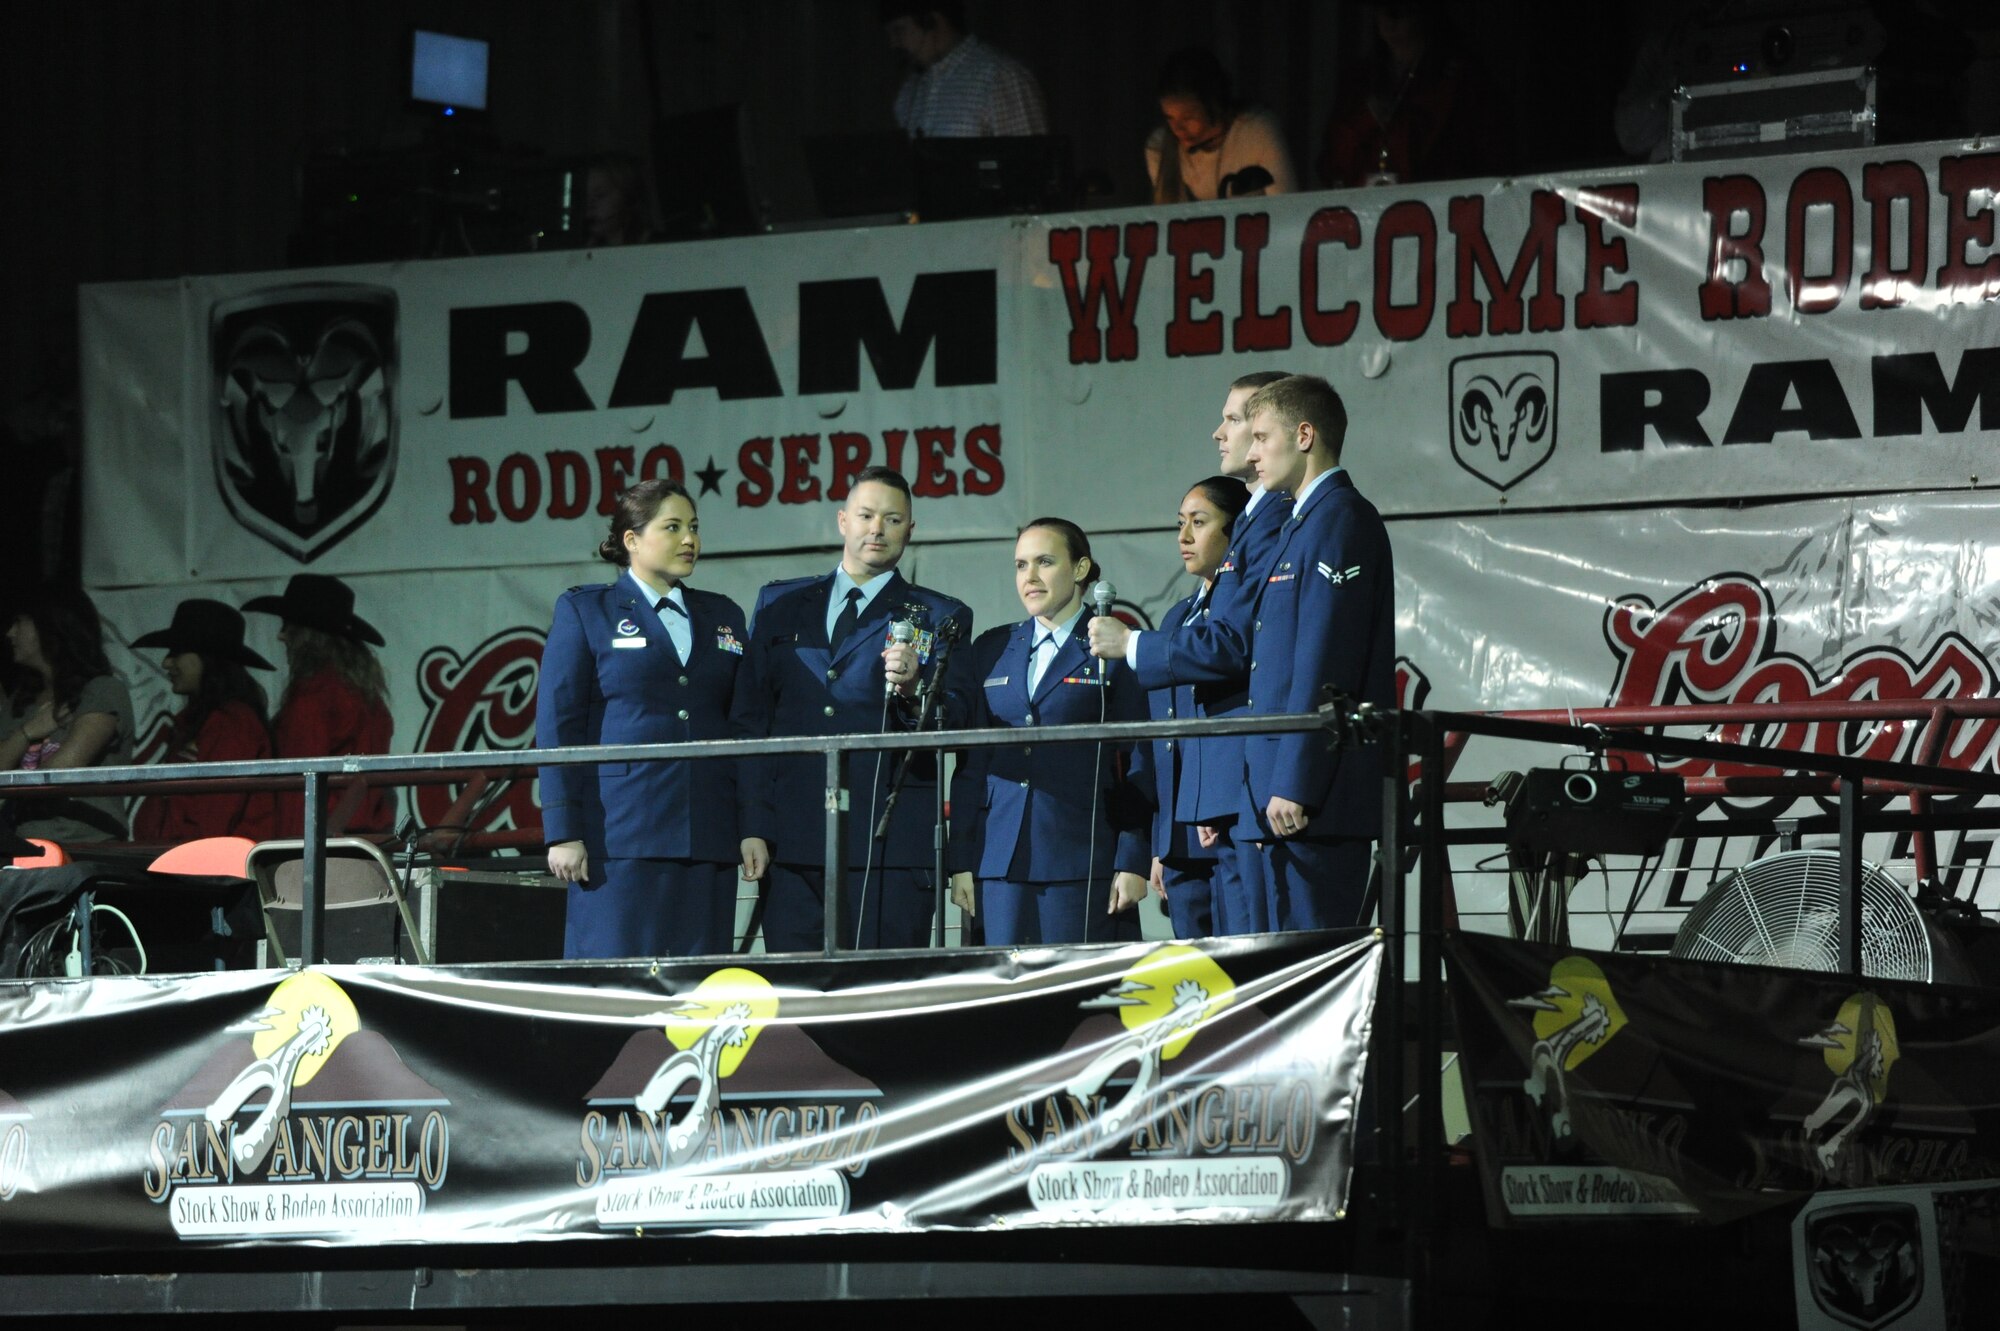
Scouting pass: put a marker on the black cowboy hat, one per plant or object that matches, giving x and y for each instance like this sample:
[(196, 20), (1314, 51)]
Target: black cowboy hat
[(208, 627), (318, 601)]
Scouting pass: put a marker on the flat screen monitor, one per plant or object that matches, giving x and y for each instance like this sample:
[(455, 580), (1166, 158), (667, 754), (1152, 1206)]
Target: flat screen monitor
[(447, 73)]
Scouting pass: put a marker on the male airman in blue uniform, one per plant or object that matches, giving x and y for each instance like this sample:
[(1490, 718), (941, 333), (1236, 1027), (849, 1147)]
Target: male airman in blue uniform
[(1322, 617), (822, 662)]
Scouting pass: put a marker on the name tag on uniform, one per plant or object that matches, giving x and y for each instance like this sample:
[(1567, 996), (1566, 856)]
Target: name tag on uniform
[(628, 642), (996, 681)]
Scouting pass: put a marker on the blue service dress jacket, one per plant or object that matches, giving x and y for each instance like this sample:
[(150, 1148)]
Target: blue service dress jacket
[(1166, 770), (1022, 812), (795, 685), (610, 675), (1326, 615), (1213, 765)]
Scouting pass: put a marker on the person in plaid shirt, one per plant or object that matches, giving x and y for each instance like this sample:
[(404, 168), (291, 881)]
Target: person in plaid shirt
[(959, 87)]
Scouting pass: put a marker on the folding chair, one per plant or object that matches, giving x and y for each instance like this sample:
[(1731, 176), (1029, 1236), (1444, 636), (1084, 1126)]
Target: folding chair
[(364, 899)]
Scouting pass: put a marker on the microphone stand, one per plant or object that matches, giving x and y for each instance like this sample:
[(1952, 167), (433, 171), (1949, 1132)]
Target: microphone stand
[(927, 711)]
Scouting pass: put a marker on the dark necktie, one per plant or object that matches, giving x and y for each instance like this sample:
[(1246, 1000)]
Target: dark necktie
[(668, 603), (850, 615)]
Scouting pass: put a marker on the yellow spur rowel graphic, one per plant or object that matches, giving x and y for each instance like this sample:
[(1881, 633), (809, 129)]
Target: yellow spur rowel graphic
[(713, 1031), (1575, 1016), (1163, 1000), (302, 1023), (1860, 1048)]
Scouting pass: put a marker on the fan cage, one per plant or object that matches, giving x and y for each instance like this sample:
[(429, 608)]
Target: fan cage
[(1784, 910)]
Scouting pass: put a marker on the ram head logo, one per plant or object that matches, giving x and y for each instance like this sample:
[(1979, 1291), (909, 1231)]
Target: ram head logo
[(1503, 414), (305, 410)]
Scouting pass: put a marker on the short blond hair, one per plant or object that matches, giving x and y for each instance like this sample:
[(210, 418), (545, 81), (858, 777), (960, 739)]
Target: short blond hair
[(1303, 398)]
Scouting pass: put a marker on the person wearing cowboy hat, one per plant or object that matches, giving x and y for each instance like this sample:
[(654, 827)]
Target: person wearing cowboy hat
[(223, 721), (336, 699)]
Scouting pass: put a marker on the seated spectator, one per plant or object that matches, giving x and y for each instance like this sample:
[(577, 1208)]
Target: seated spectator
[(1221, 150), (223, 721), (614, 203), (69, 711), (1417, 111), (336, 699), (958, 87)]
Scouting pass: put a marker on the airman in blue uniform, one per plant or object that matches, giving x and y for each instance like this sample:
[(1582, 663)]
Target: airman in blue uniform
[(822, 661), (1185, 850), (649, 850), (1053, 833), (1323, 617)]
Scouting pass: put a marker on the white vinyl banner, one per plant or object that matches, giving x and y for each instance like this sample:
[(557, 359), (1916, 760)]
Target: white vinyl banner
[(1562, 392), (1675, 333)]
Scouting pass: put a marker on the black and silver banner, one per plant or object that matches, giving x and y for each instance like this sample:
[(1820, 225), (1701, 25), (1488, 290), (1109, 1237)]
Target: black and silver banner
[(1123, 1085), (1606, 1086)]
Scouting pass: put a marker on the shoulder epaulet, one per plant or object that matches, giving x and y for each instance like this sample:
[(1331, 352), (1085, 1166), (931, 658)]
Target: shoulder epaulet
[(949, 604), (771, 591), (713, 597)]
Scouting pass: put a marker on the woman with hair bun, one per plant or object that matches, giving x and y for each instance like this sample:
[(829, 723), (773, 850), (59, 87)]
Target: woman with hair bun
[(209, 665), (1192, 869), (649, 849), (1056, 838)]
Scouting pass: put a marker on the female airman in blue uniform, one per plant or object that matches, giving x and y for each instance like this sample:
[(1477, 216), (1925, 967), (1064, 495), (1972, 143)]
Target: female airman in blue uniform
[(1187, 869), (649, 849), (1055, 836)]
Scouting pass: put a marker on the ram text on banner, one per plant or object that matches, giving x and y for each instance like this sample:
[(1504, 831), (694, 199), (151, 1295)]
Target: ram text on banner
[(1636, 335)]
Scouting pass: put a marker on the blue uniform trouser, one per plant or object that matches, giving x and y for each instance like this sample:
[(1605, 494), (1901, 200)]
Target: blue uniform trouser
[(1309, 884), (1017, 914), (1238, 889), (651, 908), (893, 906), (1190, 897)]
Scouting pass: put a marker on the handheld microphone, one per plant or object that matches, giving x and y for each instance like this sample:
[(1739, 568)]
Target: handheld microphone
[(1102, 594), (903, 633)]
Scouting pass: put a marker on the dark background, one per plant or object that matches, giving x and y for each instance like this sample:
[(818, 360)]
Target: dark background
[(148, 139)]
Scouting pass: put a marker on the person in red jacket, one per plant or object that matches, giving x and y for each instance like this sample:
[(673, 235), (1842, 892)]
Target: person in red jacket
[(336, 699), (223, 721)]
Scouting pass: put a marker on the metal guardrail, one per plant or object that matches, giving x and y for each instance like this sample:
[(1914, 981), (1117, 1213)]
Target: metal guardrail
[(431, 768), (1410, 1148)]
